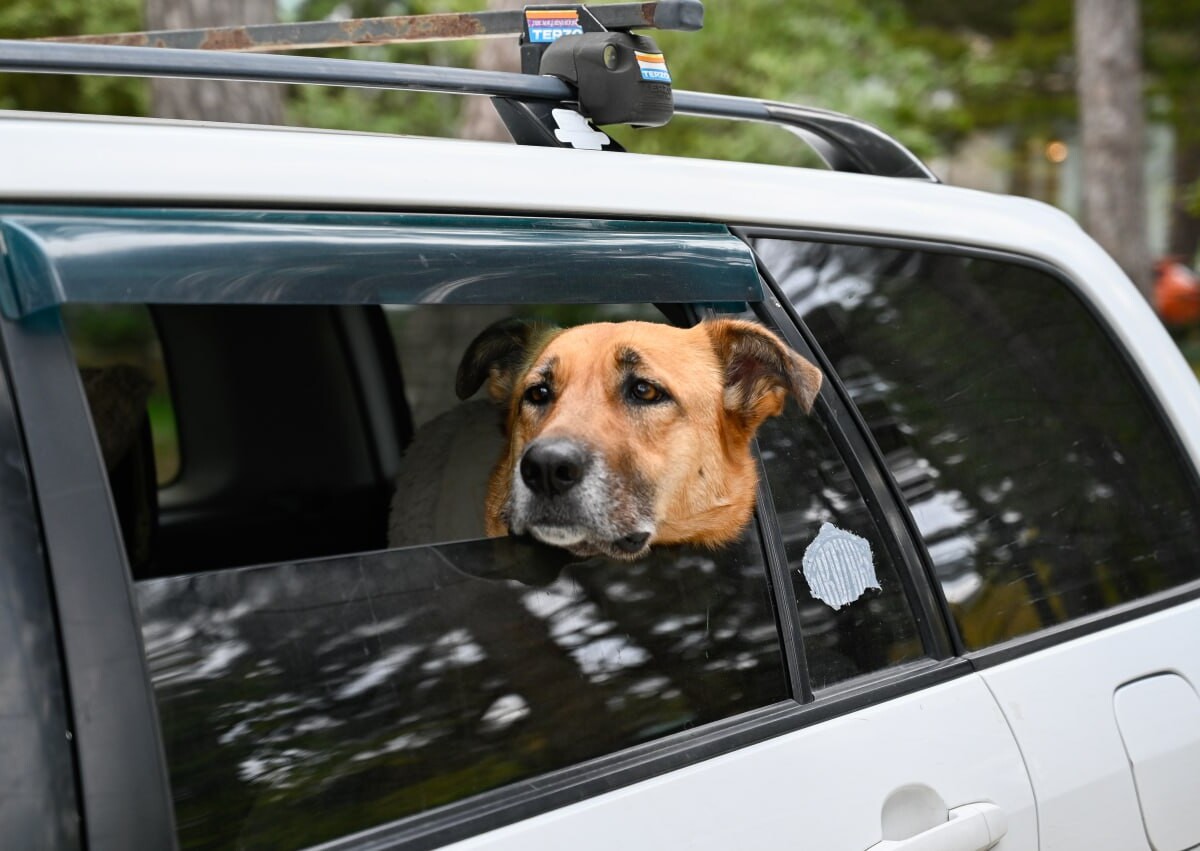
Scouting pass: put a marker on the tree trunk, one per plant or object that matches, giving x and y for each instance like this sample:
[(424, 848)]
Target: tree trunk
[(1185, 227), (213, 100), (1112, 118), (480, 120)]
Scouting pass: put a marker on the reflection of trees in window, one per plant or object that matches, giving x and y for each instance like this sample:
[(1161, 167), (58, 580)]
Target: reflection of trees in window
[(1042, 484), (306, 701)]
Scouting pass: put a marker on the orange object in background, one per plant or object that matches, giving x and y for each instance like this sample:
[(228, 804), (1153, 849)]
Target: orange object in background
[(1176, 292)]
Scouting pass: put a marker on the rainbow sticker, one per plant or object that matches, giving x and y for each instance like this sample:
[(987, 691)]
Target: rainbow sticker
[(548, 25), (654, 67)]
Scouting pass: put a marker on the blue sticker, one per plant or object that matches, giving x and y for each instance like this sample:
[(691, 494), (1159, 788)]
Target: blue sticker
[(549, 25), (654, 67)]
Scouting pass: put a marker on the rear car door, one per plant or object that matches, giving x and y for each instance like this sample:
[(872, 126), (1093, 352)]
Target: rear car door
[(252, 653), (1056, 498)]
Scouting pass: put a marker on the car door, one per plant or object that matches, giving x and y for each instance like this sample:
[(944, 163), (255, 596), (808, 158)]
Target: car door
[(888, 748), (276, 686), (1056, 499)]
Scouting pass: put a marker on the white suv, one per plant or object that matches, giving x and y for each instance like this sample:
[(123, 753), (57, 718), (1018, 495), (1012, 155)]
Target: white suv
[(229, 653)]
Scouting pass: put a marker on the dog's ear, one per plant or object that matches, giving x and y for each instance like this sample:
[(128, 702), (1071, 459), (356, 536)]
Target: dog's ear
[(497, 355), (760, 371)]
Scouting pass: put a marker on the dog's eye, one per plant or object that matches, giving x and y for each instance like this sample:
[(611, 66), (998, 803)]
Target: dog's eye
[(538, 394), (643, 391)]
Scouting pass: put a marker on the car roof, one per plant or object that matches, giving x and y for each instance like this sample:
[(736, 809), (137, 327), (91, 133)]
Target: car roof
[(129, 160)]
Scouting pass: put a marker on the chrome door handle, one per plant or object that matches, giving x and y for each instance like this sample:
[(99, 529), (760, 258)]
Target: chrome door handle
[(972, 827)]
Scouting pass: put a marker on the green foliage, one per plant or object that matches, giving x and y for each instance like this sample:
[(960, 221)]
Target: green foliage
[(845, 56), (378, 110), (101, 95)]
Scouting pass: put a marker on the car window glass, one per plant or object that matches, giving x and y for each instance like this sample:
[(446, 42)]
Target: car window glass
[(333, 644), (855, 616), (1042, 480), (300, 702), (117, 346)]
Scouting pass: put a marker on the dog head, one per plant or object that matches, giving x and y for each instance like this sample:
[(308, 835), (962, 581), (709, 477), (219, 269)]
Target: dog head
[(623, 435)]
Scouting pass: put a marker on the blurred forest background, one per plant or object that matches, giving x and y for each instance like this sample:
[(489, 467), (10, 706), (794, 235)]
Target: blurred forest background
[(988, 93)]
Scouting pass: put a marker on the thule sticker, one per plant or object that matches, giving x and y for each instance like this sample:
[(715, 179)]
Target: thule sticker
[(548, 25), (838, 566), (654, 67)]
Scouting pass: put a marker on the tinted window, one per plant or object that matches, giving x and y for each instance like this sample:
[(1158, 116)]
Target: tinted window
[(300, 702), (118, 350), (1043, 482), (812, 489)]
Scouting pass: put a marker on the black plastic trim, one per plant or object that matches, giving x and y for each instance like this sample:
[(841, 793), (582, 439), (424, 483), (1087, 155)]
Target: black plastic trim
[(123, 777), (1059, 633), (503, 807), (780, 582), (844, 143), (42, 807)]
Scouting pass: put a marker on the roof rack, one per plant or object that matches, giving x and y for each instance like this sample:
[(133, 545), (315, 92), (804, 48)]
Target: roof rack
[(525, 101)]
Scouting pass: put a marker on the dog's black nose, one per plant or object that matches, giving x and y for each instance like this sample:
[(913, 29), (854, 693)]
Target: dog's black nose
[(552, 467)]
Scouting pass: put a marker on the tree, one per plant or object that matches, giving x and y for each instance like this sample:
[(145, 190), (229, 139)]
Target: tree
[(1172, 35), (480, 120), (69, 93), (213, 100), (1112, 121)]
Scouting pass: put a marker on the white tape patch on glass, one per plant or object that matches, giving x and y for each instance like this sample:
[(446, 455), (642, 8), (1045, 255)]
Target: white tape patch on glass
[(838, 566)]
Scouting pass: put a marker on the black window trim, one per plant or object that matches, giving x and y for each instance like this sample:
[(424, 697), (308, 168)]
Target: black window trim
[(123, 781), (1056, 634)]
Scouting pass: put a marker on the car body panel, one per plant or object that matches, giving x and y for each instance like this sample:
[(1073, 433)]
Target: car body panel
[(821, 787), (1059, 702)]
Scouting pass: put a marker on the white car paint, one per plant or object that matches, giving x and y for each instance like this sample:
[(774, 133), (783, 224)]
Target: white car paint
[(821, 788), (1059, 702)]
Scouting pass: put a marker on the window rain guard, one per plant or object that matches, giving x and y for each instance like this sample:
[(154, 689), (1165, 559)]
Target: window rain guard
[(234, 257)]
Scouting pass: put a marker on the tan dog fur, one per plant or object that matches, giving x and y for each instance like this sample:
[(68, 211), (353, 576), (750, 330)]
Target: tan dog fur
[(665, 416)]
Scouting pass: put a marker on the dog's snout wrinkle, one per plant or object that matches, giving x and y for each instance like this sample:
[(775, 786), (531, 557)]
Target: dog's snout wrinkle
[(553, 467)]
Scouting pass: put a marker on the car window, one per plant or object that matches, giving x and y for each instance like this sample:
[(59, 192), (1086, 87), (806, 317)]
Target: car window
[(1041, 478), (318, 673), (117, 344), (855, 616)]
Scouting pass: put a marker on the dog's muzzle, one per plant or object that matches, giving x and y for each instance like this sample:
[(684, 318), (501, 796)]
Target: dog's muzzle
[(564, 495)]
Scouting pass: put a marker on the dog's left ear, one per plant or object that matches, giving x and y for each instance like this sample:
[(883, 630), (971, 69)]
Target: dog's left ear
[(497, 355), (760, 371)]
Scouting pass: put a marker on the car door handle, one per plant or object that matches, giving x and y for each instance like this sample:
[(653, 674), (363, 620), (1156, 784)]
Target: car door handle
[(972, 827)]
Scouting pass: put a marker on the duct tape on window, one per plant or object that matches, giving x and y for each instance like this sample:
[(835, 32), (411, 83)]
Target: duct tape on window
[(838, 566)]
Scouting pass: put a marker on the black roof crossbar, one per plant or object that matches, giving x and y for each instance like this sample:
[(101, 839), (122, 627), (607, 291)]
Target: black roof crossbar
[(844, 143)]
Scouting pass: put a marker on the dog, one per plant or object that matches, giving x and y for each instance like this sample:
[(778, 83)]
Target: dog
[(622, 436)]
